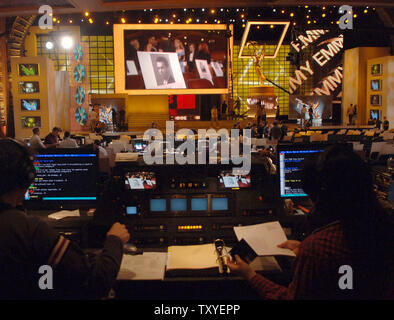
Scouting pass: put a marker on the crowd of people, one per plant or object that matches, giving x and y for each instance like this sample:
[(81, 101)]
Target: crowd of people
[(272, 131)]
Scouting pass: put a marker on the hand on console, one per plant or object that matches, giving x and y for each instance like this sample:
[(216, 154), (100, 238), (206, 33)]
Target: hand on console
[(120, 231)]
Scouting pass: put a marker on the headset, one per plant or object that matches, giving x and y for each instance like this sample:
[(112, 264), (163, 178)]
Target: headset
[(315, 178), (19, 172)]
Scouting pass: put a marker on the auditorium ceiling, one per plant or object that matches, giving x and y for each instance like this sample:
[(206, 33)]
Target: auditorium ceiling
[(27, 7)]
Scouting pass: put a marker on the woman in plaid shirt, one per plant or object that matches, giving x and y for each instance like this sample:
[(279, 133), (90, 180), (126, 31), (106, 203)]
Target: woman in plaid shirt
[(354, 231)]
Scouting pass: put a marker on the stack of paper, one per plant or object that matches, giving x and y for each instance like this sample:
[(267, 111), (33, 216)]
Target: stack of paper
[(148, 266), (202, 256), (264, 238), (64, 213)]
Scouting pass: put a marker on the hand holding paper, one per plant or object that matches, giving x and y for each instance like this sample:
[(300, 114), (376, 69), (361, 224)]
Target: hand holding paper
[(264, 238)]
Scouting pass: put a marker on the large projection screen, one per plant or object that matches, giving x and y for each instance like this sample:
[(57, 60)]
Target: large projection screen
[(156, 67)]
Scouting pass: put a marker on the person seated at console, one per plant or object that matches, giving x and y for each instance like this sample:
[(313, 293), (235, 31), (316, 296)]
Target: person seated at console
[(27, 243), (52, 139), (68, 142), (353, 231), (35, 140)]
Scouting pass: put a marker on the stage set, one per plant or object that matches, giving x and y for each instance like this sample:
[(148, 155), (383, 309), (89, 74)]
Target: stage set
[(303, 78), (281, 65)]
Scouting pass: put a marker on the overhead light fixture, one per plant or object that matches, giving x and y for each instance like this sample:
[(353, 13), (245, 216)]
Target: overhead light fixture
[(66, 42), (49, 45)]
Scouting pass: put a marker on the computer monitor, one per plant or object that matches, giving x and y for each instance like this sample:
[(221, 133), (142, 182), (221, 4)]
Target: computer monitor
[(139, 145), (66, 178), (290, 158)]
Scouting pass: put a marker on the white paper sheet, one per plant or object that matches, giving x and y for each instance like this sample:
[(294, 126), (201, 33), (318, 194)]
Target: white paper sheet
[(64, 213), (264, 238), (146, 266), (201, 256)]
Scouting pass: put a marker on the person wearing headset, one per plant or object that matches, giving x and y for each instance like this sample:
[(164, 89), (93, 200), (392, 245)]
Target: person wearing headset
[(352, 229), (27, 243)]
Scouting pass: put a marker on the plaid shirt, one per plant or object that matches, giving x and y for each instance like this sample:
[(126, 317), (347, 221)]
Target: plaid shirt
[(316, 268)]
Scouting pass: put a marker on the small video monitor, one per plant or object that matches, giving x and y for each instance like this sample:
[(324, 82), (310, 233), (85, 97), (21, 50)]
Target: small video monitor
[(131, 210), (376, 85), (139, 146), (178, 204), (376, 69), (142, 180), (28, 69), (31, 122), (30, 104), (158, 205), (29, 86), (199, 204), (376, 99), (219, 204), (374, 114), (227, 179)]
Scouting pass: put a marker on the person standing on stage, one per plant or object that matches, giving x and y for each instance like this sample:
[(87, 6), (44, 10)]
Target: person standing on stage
[(224, 110), (386, 124), (214, 116), (350, 113), (93, 118), (310, 112), (303, 115)]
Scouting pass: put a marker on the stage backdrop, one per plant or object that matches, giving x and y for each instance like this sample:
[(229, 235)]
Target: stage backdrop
[(79, 87), (320, 71), (62, 99)]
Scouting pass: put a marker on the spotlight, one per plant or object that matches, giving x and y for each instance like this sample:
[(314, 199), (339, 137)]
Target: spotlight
[(49, 45), (66, 42)]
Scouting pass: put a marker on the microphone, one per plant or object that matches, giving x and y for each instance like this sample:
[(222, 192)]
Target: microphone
[(219, 245)]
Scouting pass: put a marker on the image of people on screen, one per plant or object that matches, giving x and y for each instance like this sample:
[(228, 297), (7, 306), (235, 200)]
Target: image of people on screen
[(191, 57), (204, 52), (180, 51), (132, 63), (140, 180), (152, 44), (229, 180), (145, 70), (162, 68)]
